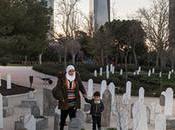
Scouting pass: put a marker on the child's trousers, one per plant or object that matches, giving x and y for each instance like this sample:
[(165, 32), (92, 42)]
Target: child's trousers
[(96, 122)]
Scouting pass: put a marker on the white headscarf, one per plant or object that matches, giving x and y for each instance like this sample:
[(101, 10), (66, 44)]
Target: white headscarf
[(69, 77)]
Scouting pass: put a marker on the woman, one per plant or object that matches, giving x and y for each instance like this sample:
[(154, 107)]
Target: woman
[(67, 92)]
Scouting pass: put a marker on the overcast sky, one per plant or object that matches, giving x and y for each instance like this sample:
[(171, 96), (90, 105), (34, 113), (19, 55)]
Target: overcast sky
[(124, 8)]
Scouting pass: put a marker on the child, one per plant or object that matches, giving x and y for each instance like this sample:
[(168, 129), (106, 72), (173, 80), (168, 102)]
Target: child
[(97, 108)]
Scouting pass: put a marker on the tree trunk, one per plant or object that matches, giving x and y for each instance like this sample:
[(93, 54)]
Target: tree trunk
[(65, 56), (73, 59), (126, 68), (157, 60), (135, 58), (25, 62), (102, 57), (40, 58), (116, 60), (60, 59)]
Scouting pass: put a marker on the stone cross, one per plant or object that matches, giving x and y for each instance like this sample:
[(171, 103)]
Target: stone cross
[(1, 112), (111, 88), (106, 115), (95, 73), (9, 81), (101, 71), (103, 87), (90, 88), (121, 71)]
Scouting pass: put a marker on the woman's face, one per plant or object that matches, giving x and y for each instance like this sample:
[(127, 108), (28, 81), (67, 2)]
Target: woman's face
[(71, 72)]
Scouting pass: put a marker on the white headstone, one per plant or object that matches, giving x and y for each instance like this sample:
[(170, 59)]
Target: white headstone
[(149, 73), (101, 71), (160, 119), (30, 122), (168, 102), (1, 112), (172, 71), (103, 87), (121, 71), (95, 73), (169, 75), (139, 69), (0, 80), (111, 88), (141, 94), (134, 73), (107, 74), (139, 116), (90, 88), (113, 69), (9, 81), (160, 74), (128, 89), (137, 72), (107, 68), (153, 70)]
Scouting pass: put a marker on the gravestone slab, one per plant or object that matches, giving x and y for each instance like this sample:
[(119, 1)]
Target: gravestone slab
[(41, 123), (74, 124), (29, 122), (56, 121), (1, 111), (103, 87), (35, 111), (106, 114), (90, 88), (5, 101), (49, 103), (29, 103), (8, 111)]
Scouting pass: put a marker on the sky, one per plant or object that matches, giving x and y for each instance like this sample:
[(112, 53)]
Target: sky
[(124, 8)]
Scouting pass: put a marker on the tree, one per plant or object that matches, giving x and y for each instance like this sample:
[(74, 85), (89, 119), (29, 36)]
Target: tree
[(68, 14), (155, 24), (23, 27), (73, 47)]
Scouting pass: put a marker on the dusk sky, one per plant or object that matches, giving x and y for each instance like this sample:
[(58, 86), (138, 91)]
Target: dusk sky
[(124, 8)]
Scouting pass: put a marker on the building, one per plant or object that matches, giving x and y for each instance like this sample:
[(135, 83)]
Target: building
[(172, 22), (99, 11)]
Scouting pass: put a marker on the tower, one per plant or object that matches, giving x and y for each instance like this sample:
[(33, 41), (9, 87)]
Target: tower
[(99, 13)]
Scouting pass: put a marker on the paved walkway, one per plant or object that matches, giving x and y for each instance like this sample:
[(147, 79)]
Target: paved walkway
[(20, 75)]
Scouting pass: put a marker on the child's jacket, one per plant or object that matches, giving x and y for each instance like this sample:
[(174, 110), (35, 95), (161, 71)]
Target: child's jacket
[(96, 108)]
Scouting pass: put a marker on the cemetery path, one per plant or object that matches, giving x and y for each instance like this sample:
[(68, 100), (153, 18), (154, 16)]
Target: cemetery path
[(20, 75)]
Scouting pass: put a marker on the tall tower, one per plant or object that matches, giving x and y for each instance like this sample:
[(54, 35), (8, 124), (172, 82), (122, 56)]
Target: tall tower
[(99, 13), (172, 22)]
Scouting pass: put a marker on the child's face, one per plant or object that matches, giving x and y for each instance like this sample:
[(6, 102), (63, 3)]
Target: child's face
[(96, 98)]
